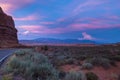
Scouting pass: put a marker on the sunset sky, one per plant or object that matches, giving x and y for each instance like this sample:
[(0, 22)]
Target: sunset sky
[(79, 19)]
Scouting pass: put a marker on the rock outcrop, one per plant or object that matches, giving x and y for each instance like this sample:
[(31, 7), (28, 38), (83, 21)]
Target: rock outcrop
[(8, 32)]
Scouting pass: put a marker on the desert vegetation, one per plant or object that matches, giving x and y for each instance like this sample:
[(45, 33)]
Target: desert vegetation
[(30, 65), (64, 63), (84, 58)]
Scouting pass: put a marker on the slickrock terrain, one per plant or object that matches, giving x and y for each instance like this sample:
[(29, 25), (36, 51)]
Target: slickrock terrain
[(8, 32)]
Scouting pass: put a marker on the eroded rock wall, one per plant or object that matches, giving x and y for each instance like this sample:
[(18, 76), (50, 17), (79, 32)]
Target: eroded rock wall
[(8, 32)]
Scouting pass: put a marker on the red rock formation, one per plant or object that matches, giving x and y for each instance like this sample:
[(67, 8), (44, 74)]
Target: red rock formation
[(8, 32)]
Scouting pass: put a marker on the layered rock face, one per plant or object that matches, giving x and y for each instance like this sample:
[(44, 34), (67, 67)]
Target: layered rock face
[(8, 32)]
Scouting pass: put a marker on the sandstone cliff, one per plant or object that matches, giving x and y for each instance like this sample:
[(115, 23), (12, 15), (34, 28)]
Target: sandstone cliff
[(8, 32)]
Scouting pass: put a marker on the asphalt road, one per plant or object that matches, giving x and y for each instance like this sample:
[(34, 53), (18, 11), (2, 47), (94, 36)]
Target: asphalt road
[(5, 52)]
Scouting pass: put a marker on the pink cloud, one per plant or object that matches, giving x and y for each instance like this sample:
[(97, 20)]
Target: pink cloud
[(39, 29), (11, 5), (47, 23), (30, 27), (79, 25), (94, 25), (114, 17), (6, 7), (27, 18), (86, 37)]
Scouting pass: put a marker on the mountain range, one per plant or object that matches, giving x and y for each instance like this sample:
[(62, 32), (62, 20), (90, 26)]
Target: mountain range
[(57, 41)]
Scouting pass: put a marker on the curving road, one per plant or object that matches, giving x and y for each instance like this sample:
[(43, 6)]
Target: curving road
[(4, 53)]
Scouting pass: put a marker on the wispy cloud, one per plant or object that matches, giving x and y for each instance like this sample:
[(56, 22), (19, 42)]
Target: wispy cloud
[(37, 29), (27, 18), (88, 4), (47, 23), (93, 25), (11, 5), (78, 24), (7, 7)]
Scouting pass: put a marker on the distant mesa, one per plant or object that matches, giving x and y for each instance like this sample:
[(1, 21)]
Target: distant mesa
[(8, 32)]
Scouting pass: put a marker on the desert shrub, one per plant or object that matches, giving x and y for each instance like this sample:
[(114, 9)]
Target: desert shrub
[(14, 63), (7, 77), (62, 74), (63, 61), (69, 61), (80, 57), (114, 76), (59, 60), (116, 58), (39, 58), (19, 53), (75, 76), (22, 52), (104, 62), (16, 66), (45, 48), (87, 66), (27, 57), (23, 66), (33, 66), (113, 63), (91, 76), (7, 69), (42, 72), (32, 56), (60, 56)]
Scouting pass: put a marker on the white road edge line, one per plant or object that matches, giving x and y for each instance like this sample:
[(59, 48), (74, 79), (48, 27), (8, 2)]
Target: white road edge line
[(3, 59)]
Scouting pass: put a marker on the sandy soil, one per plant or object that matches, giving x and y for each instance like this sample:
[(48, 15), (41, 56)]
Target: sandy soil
[(109, 74)]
